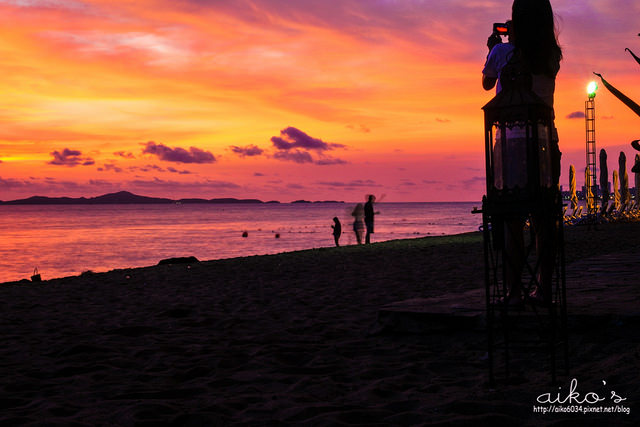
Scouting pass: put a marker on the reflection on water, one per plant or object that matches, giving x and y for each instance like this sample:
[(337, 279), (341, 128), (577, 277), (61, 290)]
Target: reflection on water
[(68, 240)]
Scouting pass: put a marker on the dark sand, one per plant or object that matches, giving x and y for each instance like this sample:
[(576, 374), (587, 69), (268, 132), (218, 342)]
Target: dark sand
[(289, 339)]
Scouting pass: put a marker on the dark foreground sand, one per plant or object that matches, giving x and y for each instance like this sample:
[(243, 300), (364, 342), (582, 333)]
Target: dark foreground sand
[(288, 339)]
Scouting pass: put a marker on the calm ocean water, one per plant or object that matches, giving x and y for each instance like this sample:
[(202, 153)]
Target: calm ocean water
[(68, 240)]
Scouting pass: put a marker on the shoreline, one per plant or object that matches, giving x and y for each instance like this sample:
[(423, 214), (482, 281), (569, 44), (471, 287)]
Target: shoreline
[(111, 270), (567, 227), (62, 244), (288, 339)]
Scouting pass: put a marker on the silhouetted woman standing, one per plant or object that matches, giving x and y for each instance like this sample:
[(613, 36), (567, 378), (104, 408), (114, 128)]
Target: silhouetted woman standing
[(535, 51)]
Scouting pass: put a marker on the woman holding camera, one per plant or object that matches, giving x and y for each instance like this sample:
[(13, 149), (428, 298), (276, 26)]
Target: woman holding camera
[(532, 49), (532, 40)]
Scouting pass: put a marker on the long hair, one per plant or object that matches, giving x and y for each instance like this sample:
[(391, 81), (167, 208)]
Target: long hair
[(535, 36)]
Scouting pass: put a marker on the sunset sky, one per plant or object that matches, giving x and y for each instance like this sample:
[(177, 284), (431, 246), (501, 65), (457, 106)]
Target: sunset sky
[(282, 99)]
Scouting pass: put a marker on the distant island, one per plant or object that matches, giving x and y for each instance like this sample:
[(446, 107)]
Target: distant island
[(317, 201), (121, 197), (125, 197)]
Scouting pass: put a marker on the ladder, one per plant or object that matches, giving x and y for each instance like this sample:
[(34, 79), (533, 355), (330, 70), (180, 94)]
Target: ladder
[(590, 122)]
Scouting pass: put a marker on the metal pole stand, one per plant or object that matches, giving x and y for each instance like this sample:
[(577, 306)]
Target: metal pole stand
[(535, 320)]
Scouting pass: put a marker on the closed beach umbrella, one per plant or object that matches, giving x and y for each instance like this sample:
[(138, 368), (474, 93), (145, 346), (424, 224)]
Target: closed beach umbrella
[(572, 188), (616, 192), (637, 174), (588, 194), (604, 179), (625, 196)]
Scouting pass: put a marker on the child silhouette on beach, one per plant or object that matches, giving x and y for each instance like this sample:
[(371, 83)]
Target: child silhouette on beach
[(337, 230)]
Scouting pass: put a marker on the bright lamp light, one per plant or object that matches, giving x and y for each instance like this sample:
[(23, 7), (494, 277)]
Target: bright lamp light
[(592, 87)]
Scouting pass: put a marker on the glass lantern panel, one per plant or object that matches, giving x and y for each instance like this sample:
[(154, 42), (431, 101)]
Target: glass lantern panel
[(497, 158), (510, 157), (544, 156)]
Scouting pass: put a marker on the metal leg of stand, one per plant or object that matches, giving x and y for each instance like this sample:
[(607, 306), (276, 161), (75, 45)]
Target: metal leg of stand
[(490, 320), (551, 313), (552, 344), (563, 296)]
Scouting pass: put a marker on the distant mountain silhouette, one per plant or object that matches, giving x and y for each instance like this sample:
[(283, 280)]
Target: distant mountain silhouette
[(231, 200), (126, 197), (317, 201), (121, 197)]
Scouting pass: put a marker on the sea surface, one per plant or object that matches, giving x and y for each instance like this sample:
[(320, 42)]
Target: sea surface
[(63, 240)]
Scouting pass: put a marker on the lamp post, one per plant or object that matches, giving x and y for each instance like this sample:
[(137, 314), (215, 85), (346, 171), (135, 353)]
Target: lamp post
[(522, 169), (518, 126), (590, 125)]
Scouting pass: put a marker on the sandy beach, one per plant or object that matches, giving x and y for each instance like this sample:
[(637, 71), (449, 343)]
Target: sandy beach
[(293, 339)]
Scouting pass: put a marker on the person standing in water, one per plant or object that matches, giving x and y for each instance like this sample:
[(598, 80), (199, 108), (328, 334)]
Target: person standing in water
[(368, 216)]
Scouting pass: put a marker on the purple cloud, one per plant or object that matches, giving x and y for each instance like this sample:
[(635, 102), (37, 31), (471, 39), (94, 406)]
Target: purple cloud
[(295, 138), (295, 145), (22, 188), (248, 151), (181, 172), (147, 168), (109, 167), (330, 161), (150, 168), (188, 188), (70, 158), (473, 181), (576, 115), (354, 183), (178, 154), (294, 156), (126, 155)]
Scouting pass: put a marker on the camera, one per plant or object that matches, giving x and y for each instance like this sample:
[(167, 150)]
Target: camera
[(500, 29)]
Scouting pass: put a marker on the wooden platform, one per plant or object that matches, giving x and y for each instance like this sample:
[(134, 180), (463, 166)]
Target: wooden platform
[(601, 292)]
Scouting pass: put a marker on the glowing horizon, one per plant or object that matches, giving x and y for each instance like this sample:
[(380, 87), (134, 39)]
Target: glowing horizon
[(272, 100)]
